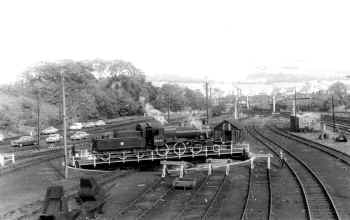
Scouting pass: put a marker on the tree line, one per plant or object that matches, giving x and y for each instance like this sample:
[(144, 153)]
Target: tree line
[(94, 89)]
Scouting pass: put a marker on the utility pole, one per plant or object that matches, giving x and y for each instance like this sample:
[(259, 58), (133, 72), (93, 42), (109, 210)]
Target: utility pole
[(236, 104), (295, 103), (169, 100), (38, 117), (333, 115), (247, 102), (64, 127), (207, 100)]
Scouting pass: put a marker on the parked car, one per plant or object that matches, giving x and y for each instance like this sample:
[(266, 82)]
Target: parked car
[(100, 123), (89, 125), (49, 130), (79, 135), (76, 126), (23, 141), (52, 138)]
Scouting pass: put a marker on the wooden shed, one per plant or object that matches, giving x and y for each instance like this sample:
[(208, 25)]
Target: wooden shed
[(228, 130)]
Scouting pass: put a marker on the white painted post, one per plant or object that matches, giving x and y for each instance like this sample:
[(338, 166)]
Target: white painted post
[(73, 159), (252, 163), (13, 158), (94, 161), (182, 170), (164, 170), (2, 160), (152, 155), (206, 151), (227, 169), (209, 169), (268, 162), (281, 154)]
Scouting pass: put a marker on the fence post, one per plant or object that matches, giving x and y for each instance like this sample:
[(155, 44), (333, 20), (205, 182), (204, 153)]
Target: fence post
[(252, 163), (73, 160), (94, 161), (13, 158), (164, 170), (268, 162), (209, 169), (109, 158), (182, 170), (2, 160), (227, 169)]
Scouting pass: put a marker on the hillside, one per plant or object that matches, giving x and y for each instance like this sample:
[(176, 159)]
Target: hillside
[(95, 89), (18, 114)]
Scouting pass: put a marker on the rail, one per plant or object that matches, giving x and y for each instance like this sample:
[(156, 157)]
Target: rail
[(345, 158), (245, 207), (331, 203), (300, 184)]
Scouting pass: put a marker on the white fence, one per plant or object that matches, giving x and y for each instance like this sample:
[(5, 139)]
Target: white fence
[(4, 158)]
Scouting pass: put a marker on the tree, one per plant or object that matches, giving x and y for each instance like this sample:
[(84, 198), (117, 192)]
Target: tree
[(338, 90)]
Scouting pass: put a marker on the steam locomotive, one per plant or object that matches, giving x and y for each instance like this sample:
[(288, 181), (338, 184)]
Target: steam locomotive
[(151, 135)]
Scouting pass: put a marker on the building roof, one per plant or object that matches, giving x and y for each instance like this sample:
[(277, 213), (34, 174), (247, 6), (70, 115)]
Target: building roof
[(234, 123)]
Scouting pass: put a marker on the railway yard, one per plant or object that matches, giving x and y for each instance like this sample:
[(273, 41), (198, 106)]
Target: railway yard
[(286, 176)]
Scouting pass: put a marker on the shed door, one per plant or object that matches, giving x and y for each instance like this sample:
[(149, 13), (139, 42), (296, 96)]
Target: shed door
[(227, 132)]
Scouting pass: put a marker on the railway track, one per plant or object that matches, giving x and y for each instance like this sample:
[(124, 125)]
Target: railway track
[(203, 199), (259, 184), (341, 156), (198, 204), (318, 202), (341, 127), (146, 201), (30, 161)]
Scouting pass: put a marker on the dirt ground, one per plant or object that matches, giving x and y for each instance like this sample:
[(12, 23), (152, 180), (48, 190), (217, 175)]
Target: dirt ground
[(23, 191)]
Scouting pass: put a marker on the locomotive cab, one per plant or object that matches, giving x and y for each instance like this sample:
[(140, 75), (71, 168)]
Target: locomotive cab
[(152, 133)]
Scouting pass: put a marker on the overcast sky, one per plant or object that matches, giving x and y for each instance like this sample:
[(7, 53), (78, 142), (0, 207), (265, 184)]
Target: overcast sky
[(218, 39)]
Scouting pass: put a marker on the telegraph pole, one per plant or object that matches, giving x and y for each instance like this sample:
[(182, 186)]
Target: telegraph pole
[(295, 102), (207, 100), (38, 117), (169, 100), (247, 102), (333, 114), (64, 127), (236, 104)]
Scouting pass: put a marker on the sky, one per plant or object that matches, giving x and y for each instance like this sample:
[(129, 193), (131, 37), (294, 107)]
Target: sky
[(220, 40)]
